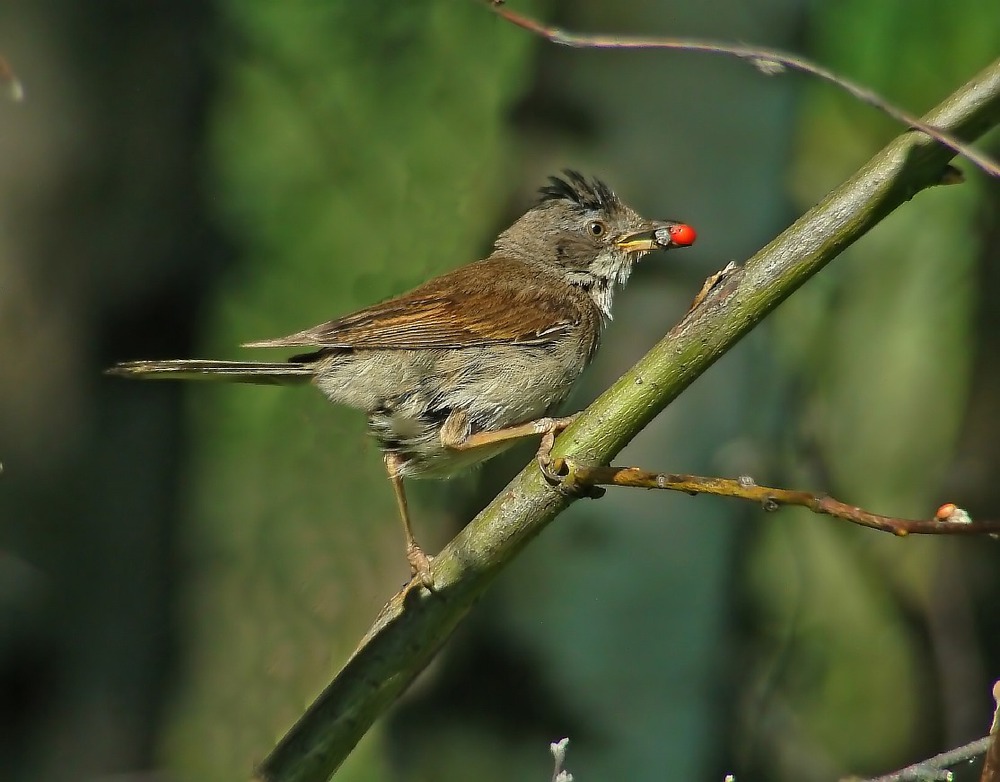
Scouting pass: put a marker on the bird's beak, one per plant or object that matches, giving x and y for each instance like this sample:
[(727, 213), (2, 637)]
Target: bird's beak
[(660, 235)]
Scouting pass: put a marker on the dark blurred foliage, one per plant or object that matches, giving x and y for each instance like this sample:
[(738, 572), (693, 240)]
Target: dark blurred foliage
[(873, 653), (182, 569), (106, 249)]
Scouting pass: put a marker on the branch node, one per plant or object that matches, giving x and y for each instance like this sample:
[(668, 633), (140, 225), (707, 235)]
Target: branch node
[(767, 66)]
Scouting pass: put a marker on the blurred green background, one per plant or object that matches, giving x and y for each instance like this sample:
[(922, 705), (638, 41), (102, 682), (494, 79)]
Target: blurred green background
[(183, 569)]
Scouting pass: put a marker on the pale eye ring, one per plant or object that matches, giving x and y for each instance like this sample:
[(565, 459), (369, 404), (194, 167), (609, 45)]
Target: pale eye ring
[(597, 228)]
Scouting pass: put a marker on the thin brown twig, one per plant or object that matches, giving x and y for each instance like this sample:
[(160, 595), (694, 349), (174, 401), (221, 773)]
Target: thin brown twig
[(766, 60), (574, 477)]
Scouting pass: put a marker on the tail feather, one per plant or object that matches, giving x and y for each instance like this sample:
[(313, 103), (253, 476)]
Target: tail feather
[(257, 372)]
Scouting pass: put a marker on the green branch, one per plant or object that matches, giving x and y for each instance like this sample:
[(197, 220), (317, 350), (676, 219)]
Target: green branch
[(403, 640)]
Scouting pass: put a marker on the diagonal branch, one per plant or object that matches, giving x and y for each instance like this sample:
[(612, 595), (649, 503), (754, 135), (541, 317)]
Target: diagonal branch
[(768, 61), (573, 477), (404, 639)]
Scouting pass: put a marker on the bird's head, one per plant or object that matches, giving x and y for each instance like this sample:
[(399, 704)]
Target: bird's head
[(580, 229)]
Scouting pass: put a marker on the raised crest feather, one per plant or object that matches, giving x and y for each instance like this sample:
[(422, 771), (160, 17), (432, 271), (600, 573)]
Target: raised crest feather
[(590, 194)]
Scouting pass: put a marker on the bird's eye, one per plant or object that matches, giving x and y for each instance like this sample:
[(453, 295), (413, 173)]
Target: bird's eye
[(597, 228)]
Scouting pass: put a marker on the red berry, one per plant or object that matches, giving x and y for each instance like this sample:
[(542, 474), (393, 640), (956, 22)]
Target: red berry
[(682, 234)]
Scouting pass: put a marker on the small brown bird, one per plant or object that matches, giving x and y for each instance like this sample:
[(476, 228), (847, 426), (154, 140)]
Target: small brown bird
[(456, 370)]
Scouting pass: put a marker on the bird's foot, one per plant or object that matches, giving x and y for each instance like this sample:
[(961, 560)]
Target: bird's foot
[(420, 569), (561, 473), (548, 428)]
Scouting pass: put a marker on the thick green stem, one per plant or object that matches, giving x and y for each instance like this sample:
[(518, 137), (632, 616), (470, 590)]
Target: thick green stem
[(403, 639)]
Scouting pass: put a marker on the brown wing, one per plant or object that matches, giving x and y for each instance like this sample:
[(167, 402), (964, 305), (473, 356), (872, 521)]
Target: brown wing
[(493, 301)]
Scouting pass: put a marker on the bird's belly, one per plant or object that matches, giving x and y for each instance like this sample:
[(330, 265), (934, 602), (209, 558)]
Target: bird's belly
[(495, 390), (445, 462), (508, 385)]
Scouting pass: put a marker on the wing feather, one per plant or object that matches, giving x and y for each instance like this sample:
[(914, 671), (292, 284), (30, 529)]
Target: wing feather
[(486, 303)]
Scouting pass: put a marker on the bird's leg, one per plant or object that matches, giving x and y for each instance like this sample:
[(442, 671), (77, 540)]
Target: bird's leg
[(456, 434), (420, 563)]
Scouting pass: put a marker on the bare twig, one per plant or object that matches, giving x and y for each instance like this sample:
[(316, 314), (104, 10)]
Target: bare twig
[(935, 767), (558, 750), (573, 476), (768, 61)]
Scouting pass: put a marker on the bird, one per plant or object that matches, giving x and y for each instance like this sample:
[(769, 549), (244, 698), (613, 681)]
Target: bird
[(456, 370)]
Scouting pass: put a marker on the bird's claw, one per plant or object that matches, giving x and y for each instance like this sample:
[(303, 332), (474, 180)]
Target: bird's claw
[(420, 569), (561, 473)]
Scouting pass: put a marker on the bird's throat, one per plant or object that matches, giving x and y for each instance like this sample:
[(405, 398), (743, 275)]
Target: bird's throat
[(601, 287), (602, 293)]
